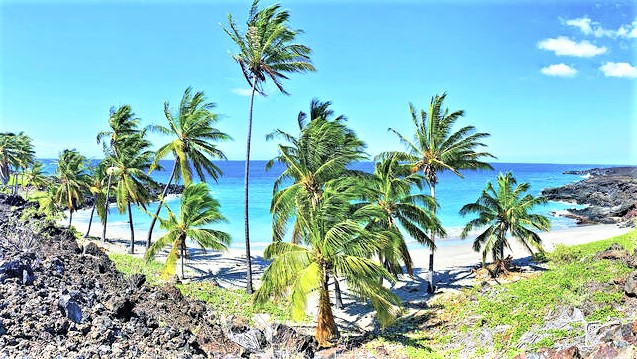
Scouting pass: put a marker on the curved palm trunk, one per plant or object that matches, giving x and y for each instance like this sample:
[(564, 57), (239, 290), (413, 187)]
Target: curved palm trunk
[(432, 285), (70, 217), (326, 326), (108, 193), (132, 231), (90, 220), (247, 177), (161, 203), (15, 187)]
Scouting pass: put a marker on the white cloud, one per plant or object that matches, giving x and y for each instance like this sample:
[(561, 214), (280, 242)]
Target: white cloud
[(589, 27), (583, 23), (242, 91), (563, 46), (560, 70), (618, 69)]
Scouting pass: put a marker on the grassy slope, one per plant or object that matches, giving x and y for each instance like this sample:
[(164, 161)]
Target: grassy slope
[(456, 321)]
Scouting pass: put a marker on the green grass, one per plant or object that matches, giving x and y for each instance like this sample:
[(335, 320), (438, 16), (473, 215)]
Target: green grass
[(228, 302), (518, 307)]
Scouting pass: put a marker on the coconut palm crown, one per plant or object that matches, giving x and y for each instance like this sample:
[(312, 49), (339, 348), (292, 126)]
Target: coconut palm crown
[(197, 209), (193, 145), (436, 148), (505, 210)]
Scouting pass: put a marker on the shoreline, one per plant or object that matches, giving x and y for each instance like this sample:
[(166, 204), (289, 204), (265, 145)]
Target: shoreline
[(454, 267)]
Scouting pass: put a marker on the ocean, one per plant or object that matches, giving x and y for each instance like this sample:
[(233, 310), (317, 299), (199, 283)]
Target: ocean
[(452, 192)]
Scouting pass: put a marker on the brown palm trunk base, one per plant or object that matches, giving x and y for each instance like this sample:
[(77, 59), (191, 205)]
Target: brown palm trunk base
[(326, 330)]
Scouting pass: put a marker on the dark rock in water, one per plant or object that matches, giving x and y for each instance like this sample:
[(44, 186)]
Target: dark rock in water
[(630, 287), (610, 193)]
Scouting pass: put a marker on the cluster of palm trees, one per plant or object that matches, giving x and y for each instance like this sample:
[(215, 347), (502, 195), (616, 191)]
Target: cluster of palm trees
[(331, 224), (17, 160)]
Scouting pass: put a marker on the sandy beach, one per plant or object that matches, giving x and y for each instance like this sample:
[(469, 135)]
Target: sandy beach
[(453, 265)]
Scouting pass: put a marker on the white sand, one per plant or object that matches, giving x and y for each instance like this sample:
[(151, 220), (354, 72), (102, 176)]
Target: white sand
[(453, 265)]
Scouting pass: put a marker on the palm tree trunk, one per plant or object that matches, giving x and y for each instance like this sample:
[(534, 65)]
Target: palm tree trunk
[(132, 231), (70, 217), (161, 202), (326, 326), (247, 178), (90, 220), (338, 296), (432, 285), (108, 193), (15, 187), (182, 260)]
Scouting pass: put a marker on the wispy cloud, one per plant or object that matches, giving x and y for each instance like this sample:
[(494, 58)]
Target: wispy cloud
[(561, 70), (589, 27), (242, 91), (563, 46), (618, 69)]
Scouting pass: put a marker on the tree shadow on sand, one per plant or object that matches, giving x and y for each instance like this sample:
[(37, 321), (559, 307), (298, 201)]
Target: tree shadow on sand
[(231, 273)]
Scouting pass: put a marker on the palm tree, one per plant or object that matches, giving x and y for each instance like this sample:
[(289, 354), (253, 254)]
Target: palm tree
[(129, 167), (35, 176), (322, 152), (505, 210), (266, 50), (16, 151), (337, 244), (73, 180), (437, 148), (123, 125), (98, 190), (193, 143), (391, 190), (197, 209)]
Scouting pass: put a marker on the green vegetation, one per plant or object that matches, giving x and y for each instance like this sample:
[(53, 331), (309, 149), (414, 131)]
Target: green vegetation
[(266, 50), (574, 279), (197, 208), (437, 148), (505, 211), (194, 144), (226, 301), (73, 181)]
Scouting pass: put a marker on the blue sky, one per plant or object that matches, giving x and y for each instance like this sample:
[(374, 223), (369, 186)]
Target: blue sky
[(552, 83)]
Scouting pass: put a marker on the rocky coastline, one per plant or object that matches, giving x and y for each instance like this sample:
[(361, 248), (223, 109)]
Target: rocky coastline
[(610, 196), (60, 299)]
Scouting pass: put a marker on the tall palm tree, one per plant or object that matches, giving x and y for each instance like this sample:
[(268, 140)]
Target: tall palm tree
[(73, 180), (193, 144), (123, 125), (266, 50), (129, 167), (197, 209), (35, 176), (337, 244), (391, 190), (505, 210), (437, 148)]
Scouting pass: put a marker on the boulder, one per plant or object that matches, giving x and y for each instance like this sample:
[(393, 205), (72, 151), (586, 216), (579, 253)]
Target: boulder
[(70, 308)]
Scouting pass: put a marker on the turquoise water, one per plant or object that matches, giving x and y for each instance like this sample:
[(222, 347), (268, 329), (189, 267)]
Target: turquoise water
[(452, 193)]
